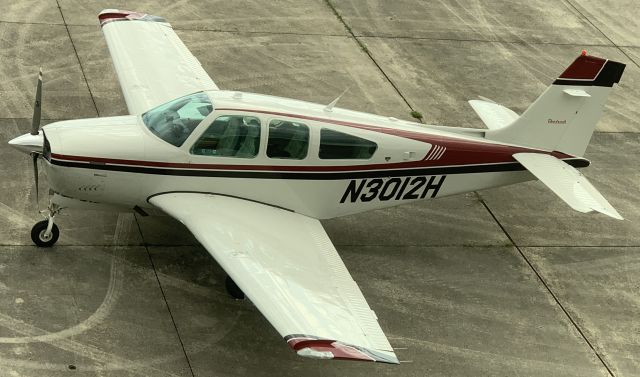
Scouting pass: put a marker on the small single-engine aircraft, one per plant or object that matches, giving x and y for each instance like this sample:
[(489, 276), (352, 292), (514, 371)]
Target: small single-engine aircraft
[(251, 175)]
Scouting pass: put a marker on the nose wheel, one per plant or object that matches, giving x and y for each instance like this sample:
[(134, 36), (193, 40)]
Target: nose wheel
[(232, 289), (42, 236), (45, 233)]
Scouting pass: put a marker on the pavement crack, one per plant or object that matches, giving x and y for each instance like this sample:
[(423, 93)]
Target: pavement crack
[(366, 51), (547, 287), (602, 32), (29, 23), (164, 297), (484, 40), (265, 32), (75, 51)]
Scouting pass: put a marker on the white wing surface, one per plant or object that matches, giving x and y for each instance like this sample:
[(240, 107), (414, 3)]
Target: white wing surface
[(492, 114), (567, 182), (152, 63), (287, 266)]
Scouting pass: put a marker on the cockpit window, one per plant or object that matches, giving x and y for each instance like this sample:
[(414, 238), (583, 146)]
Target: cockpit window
[(174, 121), (230, 136)]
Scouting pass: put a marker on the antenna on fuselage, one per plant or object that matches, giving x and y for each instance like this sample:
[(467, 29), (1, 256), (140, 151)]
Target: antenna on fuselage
[(329, 107)]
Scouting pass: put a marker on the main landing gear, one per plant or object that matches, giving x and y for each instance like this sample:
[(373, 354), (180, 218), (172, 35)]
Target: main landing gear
[(232, 289), (45, 233)]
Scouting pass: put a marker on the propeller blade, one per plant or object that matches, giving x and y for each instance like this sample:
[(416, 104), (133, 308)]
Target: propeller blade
[(35, 122), (34, 158)]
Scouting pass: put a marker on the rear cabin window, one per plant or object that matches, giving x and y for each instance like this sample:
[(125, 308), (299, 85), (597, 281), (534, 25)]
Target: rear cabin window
[(288, 140), (230, 136), (337, 145)]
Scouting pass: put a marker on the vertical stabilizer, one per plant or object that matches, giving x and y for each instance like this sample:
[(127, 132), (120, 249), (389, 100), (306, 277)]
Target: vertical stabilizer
[(564, 117)]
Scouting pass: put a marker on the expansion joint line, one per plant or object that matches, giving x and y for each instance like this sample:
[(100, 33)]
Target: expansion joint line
[(84, 76), (601, 32), (547, 287), (366, 51), (164, 297)]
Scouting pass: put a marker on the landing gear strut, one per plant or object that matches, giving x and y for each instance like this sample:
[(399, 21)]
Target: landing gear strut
[(45, 233), (232, 289)]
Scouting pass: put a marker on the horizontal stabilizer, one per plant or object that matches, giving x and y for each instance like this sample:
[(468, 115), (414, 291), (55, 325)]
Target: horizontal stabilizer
[(493, 115), (567, 182)]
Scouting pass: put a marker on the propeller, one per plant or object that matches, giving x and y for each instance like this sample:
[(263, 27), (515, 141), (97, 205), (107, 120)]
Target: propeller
[(35, 130), (35, 121), (34, 158)]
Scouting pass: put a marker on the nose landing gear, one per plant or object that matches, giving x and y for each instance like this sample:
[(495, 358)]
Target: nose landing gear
[(45, 233)]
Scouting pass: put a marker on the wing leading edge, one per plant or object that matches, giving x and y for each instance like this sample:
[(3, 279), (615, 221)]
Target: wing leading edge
[(152, 63), (286, 264)]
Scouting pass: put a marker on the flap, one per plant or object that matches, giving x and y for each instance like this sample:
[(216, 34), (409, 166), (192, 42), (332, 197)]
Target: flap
[(567, 182), (492, 114), (286, 264), (152, 63)]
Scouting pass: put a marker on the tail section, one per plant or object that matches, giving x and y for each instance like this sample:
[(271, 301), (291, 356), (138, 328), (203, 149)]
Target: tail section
[(564, 117)]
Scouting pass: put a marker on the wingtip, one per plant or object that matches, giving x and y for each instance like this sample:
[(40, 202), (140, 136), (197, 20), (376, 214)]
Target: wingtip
[(326, 349), (110, 15), (611, 212)]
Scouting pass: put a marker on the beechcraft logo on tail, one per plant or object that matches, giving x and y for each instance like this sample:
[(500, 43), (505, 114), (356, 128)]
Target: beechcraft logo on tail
[(397, 188)]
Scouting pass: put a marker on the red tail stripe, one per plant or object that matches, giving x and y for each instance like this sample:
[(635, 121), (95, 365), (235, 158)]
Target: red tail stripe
[(585, 67)]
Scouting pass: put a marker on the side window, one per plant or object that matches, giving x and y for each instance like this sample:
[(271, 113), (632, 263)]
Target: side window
[(338, 145), (288, 140), (230, 136)]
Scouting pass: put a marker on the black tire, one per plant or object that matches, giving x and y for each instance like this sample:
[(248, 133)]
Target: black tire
[(38, 231), (232, 289)]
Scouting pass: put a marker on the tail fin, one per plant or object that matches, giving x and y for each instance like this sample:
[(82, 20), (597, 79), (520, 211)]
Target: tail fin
[(564, 117)]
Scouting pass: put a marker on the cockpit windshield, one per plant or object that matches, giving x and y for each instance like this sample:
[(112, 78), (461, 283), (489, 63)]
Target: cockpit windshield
[(174, 121)]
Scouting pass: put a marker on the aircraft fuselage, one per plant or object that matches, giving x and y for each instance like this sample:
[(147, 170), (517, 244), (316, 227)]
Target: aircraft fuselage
[(118, 161)]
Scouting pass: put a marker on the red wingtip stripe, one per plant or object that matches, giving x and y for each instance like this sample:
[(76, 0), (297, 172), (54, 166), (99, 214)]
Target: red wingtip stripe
[(337, 349), (113, 14), (585, 67), (109, 15)]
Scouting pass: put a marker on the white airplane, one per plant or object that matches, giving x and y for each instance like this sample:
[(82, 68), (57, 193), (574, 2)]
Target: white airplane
[(251, 175)]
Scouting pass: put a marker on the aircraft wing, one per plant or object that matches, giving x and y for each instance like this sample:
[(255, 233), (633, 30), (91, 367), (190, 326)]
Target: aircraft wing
[(287, 266), (152, 63)]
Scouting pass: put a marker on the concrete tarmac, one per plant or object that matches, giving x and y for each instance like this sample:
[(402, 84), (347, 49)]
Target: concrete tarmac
[(496, 283)]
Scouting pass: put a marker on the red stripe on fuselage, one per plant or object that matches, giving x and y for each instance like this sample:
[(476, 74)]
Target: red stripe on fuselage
[(271, 168)]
